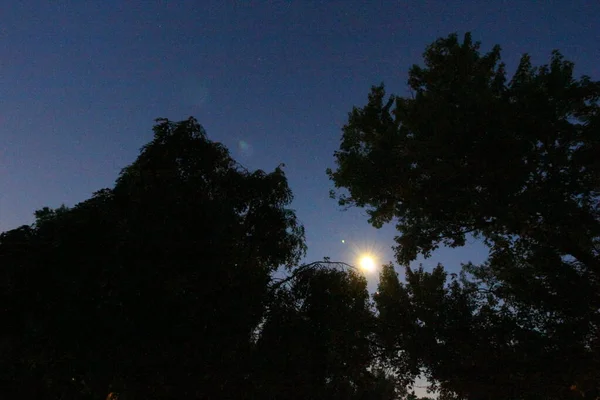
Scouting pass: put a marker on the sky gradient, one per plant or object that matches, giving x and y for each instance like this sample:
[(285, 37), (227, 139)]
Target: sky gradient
[(82, 81)]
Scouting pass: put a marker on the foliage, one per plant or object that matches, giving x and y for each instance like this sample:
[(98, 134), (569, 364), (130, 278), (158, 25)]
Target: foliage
[(472, 154), (512, 162), (152, 288), (167, 286), (316, 339)]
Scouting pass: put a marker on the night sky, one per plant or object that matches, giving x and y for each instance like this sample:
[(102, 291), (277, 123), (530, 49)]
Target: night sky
[(83, 81)]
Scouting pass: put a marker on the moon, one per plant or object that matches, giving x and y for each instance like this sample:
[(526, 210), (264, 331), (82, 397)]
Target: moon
[(367, 263)]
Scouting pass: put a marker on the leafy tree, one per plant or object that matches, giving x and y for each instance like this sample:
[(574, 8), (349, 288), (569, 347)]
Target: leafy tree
[(512, 162), (316, 340), (448, 330), (151, 289)]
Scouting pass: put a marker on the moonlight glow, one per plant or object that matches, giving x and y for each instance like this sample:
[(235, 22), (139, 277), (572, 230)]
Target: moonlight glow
[(367, 263), (364, 254)]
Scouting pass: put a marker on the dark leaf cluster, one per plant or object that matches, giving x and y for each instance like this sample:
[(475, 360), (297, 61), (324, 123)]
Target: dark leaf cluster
[(513, 162)]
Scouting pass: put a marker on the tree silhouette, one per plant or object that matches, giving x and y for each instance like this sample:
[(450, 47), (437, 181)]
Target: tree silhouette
[(151, 289), (316, 341), (511, 162)]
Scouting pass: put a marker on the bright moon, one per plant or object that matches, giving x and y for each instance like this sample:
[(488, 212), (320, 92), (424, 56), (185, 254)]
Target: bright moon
[(367, 263)]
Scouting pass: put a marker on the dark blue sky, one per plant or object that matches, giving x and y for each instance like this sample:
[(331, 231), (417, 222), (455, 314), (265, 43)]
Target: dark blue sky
[(82, 81)]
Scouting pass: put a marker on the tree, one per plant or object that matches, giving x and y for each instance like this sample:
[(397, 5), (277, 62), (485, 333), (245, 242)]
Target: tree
[(468, 348), (511, 162), (316, 340), (153, 288)]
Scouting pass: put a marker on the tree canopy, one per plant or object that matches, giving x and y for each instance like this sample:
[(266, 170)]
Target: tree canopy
[(183, 280), (151, 288), (473, 152), (514, 163), (317, 339)]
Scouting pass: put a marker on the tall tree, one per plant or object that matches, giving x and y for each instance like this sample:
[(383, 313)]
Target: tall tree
[(153, 288), (512, 162)]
